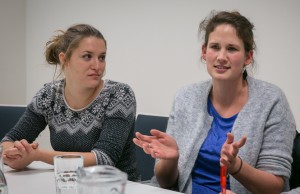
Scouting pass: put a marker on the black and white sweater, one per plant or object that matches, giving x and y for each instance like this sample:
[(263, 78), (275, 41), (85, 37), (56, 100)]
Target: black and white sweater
[(105, 127)]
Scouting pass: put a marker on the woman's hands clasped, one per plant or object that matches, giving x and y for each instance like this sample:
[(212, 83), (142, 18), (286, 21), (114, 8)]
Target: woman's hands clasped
[(20, 154), (159, 145)]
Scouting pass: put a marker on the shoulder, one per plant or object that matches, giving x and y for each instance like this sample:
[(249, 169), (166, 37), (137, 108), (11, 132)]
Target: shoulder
[(118, 92), (114, 86), (194, 91), (119, 95), (264, 88), (51, 87), (48, 93), (193, 88), (265, 92), (268, 97)]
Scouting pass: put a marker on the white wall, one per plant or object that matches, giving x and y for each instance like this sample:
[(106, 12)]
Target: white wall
[(154, 45), (12, 55)]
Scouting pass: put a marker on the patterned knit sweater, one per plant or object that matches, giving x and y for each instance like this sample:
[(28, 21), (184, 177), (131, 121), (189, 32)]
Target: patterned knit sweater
[(105, 127)]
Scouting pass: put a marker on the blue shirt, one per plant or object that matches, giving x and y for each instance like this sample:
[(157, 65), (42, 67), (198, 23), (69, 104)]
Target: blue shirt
[(206, 171)]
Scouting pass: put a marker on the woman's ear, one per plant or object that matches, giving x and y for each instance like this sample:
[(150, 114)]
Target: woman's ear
[(249, 57), (204, 52), (62, 58)]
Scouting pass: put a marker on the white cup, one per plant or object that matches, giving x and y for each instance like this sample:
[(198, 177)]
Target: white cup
[(65, 167)]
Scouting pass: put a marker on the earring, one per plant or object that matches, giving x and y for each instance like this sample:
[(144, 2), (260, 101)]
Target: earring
[(245, 74)]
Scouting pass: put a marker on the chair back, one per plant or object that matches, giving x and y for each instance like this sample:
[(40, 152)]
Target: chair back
[(9, 116), (295, 175), (144, 123)]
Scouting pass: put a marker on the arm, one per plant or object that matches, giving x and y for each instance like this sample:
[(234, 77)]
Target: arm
[(258, 181), (47, 156), (255, 180), (28, 127), (166, 172), (114, 142), (271, 132), (20, 154), (115, 130), (18, 149)]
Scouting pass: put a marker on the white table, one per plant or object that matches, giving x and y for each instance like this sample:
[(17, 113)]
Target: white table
[(38, 178)]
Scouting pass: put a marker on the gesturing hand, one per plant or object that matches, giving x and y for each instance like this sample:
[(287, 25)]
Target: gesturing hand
[(229, 152), (159, 145)]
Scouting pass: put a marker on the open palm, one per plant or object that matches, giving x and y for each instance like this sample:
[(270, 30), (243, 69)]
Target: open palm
[(158, 145)]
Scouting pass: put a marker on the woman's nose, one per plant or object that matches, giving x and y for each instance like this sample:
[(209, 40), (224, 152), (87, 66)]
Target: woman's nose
[(222, 55), (95, 64)]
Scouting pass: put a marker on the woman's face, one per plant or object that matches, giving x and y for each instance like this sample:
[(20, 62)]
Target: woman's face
[(225, 54), (87, 63)]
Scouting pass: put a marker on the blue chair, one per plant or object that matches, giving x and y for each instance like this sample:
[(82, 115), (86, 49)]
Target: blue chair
[(144, 123), (9, 116)]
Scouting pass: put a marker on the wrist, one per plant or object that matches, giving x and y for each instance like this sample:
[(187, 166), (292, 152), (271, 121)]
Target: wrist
[(37, 154), (238, 169)]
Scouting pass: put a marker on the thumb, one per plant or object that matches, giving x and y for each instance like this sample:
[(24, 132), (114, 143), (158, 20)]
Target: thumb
[(35, 145), (241, 142)]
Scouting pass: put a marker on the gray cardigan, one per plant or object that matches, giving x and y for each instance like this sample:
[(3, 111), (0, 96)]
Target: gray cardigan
[(294, 191), (266, 120)]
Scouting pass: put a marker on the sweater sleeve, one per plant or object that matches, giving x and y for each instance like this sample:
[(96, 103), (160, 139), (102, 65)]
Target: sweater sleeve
[(117, 126), (275, 156), (29, 126)]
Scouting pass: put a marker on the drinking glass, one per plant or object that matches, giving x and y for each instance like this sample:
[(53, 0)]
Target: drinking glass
[(65, 167), (3, 184), (101, 179), (1, 160)]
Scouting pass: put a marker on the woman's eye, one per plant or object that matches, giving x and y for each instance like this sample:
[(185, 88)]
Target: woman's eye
[(102, 58), (215, 47), (232, 49), (87, 56)]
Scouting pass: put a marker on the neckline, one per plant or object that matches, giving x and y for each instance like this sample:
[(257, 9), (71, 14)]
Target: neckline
[(83, 108)]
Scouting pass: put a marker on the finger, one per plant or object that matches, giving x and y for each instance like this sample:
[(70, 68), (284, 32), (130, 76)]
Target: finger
[(7, 160), (157, 133), (153, 154), (18, 145), (145, 138), (156, 153), (162, 137), (159, 155), (225, 153), (12, 151), (26, 145), (230, 138), (241, 142), (137, 142), (12, 156), (146, 148), (227, 156), (224, 162)]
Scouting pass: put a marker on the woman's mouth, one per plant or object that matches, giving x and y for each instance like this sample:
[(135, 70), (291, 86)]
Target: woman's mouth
[(221, 67)]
